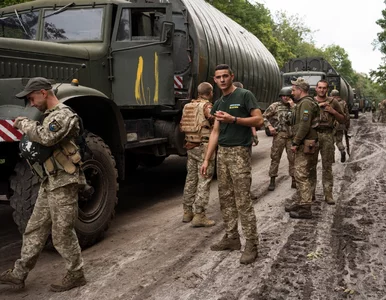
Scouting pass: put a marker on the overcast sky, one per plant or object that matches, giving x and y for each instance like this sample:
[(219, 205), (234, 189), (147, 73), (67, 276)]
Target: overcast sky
[(347, 23)]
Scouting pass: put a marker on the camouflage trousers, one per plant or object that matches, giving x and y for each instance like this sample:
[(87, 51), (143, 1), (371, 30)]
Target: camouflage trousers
[(305, 175), (280, 142), (339, 139), (55, 212), (197, 187), (382, 116), (327, 152), (234, 184)]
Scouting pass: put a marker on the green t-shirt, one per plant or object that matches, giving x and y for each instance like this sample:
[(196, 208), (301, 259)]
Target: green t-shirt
[(238, 104)]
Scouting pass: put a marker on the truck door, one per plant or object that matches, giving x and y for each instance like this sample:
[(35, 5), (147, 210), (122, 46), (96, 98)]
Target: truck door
[(141, 52)]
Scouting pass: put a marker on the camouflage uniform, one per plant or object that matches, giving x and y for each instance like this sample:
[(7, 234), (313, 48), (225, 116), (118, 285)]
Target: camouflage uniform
[(382, 111), (327, 148), (197, 187), (56, 207), (341, 128), (305, 164), (278, 115)]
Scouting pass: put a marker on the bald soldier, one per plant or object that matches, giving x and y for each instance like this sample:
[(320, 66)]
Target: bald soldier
[(197, 123)]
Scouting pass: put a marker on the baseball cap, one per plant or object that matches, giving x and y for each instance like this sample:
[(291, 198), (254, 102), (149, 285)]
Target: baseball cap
[(301, 82), (35, 84)]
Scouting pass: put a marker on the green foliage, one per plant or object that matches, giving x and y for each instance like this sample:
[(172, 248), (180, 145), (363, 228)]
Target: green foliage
[(4, 3)]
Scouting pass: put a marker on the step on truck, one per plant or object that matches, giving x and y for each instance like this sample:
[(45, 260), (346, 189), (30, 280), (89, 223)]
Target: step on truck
[(127, 68)]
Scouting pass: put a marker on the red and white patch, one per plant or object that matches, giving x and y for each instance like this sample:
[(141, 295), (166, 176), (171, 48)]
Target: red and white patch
[(178, 82), (8, 133)]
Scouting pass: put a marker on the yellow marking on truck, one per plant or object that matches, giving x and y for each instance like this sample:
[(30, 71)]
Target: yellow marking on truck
[(139, 81), (156, 78), (140, 96)]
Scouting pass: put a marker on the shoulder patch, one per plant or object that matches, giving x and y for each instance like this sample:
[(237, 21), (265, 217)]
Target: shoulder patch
[(54, 126), (305, 115)]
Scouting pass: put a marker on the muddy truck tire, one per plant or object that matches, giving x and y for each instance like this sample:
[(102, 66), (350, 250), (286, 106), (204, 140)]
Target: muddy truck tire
[(95, 211)]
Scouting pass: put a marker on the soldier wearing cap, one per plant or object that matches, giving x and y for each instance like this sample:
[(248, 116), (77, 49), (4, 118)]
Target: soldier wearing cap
[(56, 207), (304, 145), (341, 128), (277, 119)]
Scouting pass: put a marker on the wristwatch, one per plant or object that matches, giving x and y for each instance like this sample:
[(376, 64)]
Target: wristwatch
[(235, 120)]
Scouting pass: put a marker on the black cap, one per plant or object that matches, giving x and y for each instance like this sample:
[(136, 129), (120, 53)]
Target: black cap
[(35, 84)]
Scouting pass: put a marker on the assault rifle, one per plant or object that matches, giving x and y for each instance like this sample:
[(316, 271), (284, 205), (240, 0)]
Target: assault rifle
[(347, 137)]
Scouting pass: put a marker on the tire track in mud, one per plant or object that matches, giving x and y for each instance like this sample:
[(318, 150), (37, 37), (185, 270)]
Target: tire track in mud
[(360, 231)]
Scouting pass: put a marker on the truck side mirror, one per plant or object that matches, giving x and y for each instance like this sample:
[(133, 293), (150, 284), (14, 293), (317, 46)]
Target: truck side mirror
[(167, 33)]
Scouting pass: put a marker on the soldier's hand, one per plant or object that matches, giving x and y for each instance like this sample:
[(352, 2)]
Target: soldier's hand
[(255, 140), (272, 130), (224, 117), (16, 124), (204, 168), (294, 149)]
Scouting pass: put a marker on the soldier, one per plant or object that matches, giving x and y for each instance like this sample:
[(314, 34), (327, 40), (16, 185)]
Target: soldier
[(382, 111), (197, 123), (277, 119), (304, 145), (340, 129), (330, 111), (56, 207), (236, 111)]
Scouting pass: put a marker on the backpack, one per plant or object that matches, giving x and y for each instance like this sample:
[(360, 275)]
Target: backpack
[(194, 123)]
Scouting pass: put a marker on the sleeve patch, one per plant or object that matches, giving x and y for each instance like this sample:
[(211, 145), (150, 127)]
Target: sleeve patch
[(54, 126), (305, 115)]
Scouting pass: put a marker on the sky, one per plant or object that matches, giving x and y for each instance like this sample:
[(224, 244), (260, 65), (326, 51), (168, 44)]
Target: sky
[(347, 23)]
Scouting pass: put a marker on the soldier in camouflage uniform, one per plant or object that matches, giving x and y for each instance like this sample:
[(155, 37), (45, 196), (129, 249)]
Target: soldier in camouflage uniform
[(382, 111), (236, 111), (341, 128), (277, 118), (56, 207), (304, 146), (330, 112), (196, 122)]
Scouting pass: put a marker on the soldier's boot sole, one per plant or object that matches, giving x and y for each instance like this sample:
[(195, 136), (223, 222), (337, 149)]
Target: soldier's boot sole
[(230, 245), (300, 214), (7, 278), (62, 288), (330, 201), (206, 223)]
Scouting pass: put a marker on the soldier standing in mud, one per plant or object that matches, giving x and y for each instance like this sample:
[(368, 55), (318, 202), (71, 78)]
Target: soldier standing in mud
[(197, 123), (277, 121), (341, 128), (236, 111), (330, 112), (304, 146), (56, 207)]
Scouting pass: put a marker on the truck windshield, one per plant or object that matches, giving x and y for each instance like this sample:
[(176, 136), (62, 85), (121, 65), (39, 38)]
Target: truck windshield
[(73, 25), (312, 79), (24, 28)]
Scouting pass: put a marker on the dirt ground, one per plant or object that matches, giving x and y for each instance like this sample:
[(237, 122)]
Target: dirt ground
[(148, 253)]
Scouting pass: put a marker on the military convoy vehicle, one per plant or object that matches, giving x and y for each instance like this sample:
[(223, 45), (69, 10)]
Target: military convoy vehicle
[(127, 68), (314, 69)]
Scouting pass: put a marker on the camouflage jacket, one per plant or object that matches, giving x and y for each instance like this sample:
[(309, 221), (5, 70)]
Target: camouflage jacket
[(279, 116), (328, 120), (305, 120), (344, 106), (59, 124)]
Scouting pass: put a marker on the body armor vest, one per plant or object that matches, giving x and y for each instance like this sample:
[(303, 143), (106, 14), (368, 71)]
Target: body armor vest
[(194, 123)]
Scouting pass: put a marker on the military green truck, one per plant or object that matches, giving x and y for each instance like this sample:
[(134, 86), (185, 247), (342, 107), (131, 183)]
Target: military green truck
[(127, 68), (314, 69)]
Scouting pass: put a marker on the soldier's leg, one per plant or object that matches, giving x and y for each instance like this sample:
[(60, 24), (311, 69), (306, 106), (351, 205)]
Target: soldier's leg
[(203, 187), (278, 144), (191, 180), (339, 140), (226, 192), (327, 154), (35, 236), (64, 210), (290, 157), (241, 181)]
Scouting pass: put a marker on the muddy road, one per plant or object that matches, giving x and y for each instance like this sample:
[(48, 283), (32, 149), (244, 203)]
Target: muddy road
[(148, 253)]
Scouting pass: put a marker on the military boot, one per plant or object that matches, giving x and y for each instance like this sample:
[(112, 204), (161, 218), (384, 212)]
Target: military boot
[(200, 220), (9, 278), (301, 212), (293, 183), (342, 156), (288, 207), (227, 244), (70, 280), (188, 216), (329, 199), (271, 186), (250, 253)]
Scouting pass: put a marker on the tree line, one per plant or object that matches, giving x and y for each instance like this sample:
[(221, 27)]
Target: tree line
[(287, 36)]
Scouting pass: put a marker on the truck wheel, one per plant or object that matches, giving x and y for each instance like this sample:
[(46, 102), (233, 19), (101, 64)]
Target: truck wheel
[(98, 209), (25, 186), (148, 160)]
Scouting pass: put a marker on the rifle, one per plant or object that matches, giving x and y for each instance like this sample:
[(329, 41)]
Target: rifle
[(347, 137)]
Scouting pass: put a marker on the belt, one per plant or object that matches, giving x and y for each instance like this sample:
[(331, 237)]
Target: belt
[(327, 129)]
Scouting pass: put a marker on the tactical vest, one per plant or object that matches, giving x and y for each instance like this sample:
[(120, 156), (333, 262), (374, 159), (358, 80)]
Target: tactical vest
[(196, 127), (327, 120)]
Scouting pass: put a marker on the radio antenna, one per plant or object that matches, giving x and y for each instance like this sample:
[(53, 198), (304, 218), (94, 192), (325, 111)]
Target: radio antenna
[(82, 66)]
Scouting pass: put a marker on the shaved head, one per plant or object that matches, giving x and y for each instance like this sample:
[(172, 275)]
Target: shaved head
[(205, 89)]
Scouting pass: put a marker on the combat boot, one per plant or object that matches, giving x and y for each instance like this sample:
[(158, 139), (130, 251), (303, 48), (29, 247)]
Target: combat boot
[(188, 216), (9, 278), (293, 183), (271, 186), (200, 220), (329, 200), (288, 207), (70, 280), (250, 253), (227, 244), (301, 212), (342, 156)]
